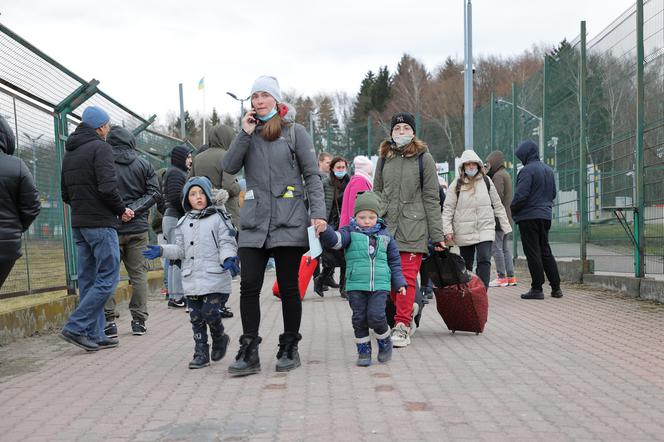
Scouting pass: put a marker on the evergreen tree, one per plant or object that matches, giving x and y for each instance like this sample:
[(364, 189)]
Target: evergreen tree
[(214, 119)]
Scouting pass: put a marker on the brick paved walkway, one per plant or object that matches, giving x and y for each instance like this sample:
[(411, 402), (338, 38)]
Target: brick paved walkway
[(589, 366)]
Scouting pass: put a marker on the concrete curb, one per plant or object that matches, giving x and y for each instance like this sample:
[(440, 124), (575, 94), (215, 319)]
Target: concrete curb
[(49, 311), (643, 288)]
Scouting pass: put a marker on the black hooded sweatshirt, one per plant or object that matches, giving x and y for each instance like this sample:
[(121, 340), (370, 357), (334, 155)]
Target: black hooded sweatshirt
[(137, 181), (88, 181), (19, 200), (174, 180)]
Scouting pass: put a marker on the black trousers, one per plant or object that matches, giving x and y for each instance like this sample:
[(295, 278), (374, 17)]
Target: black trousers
[(483, 250), (287, 263), (535, 241), (5, 269)]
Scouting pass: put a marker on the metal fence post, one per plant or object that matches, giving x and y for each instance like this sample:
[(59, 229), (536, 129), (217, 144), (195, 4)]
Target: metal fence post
[(492, 118), (544, 127), (639, 212), (515, 144), (583, 149)]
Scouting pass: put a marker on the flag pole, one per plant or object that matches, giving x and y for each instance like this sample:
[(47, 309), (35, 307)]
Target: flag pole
[(204, 117)]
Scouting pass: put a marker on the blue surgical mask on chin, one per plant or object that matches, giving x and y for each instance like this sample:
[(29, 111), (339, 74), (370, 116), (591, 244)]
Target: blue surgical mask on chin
[(271, 114), (471, 172), (340, 175)]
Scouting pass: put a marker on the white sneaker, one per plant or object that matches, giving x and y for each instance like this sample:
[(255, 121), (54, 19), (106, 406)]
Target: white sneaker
[(413, 325), (400, 336)]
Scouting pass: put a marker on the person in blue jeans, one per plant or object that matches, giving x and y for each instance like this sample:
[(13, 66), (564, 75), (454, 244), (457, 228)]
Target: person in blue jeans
[(373, 267), (89, 185)]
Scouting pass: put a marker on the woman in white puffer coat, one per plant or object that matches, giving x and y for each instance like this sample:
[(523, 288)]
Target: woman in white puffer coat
[(472, 207)]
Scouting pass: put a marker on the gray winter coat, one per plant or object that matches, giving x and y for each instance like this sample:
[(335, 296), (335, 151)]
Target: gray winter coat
[(270, 217), (203, 245)]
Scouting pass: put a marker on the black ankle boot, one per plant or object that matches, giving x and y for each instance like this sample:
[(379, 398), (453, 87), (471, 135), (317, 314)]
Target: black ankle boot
[(201, 356), (219, 346), (318, 286), (288, 357), (247, 361)]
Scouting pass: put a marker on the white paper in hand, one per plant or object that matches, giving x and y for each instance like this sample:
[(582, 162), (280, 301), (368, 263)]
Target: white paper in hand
[(315, 247)]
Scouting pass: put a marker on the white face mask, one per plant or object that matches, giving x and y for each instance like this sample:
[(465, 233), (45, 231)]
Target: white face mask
[(470, 172), (402, 140)]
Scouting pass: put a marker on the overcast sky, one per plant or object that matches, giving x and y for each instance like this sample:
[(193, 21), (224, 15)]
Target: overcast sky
[(140, 50)]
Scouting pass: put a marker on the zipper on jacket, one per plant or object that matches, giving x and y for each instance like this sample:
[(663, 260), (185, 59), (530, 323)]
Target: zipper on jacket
[(214, 238), (371, 273)]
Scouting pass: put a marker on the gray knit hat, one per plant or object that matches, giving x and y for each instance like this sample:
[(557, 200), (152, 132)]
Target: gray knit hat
[(266, 83), (367, 201)]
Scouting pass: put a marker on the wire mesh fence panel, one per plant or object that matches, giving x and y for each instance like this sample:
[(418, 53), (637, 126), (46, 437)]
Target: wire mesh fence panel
[(32, 85)]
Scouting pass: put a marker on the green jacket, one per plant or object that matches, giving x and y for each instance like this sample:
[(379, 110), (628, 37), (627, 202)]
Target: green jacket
[(367, 269), (208, 164), (412, 213)]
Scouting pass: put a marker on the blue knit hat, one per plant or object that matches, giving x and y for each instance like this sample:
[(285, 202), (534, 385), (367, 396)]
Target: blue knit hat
[(266, 83), (95, 117)]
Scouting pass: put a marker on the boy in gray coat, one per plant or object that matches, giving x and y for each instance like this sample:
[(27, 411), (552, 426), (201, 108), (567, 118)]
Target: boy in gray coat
[(205, 242)]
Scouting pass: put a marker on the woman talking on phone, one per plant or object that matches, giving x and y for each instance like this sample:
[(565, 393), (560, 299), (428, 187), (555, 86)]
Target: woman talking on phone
[(280, 169)]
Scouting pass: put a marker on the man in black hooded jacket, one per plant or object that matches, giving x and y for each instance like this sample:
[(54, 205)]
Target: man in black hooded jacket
[(19, 201), (139, 189), (531, 210), (89, 185)]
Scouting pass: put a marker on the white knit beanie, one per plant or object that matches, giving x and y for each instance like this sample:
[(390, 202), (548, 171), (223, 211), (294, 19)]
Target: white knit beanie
[(364, 164), (269, 84)]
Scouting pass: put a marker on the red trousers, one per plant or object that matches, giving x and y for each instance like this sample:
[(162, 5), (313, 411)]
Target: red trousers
[(410, 266)]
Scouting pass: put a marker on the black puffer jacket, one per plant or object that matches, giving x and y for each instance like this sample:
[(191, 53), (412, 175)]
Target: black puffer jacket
[(137, 180), (19, 200), (174, 180), (88, 181)]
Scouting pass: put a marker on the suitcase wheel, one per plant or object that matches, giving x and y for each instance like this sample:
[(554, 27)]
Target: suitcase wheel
[(477, 333), (453, 331)]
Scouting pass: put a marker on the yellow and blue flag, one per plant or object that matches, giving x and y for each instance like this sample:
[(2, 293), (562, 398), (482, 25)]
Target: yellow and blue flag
[(201, 84)]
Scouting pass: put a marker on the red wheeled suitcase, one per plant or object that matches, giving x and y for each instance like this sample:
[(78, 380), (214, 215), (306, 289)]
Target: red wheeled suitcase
[(307, 267), (463, 307)]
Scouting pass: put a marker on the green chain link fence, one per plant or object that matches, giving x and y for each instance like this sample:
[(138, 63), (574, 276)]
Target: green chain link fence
[(610, 204), (43, 101)]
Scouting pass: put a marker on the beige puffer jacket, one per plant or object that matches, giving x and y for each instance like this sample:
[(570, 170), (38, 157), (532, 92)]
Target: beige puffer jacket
[(469, 216)]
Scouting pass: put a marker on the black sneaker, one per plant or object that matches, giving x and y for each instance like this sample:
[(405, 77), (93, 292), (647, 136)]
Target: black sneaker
[(556, 293), (108, 343), (79, 340), (179, 303), (226, 313), (111, 330), (533, 294), (138, 328)]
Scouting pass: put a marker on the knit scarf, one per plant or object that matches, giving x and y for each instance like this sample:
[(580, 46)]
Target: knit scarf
[(198, 214)]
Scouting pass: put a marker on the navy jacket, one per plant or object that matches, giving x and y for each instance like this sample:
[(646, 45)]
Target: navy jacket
[(535, 186)]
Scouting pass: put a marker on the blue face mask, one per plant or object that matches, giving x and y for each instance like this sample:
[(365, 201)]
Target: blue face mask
[(272, 113), (340, 175), (471, 172)]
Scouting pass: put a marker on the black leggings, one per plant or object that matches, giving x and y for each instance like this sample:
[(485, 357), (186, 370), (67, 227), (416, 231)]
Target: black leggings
[(287, 263)]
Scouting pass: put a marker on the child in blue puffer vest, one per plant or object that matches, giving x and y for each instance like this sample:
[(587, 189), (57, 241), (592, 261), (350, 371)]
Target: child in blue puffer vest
[(373, 267)]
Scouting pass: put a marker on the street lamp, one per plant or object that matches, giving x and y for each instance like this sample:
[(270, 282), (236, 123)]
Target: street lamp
[(540, 125), (241, 100), (33, 141)]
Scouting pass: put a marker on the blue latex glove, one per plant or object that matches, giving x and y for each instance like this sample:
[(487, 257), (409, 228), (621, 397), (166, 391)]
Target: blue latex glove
[(152, 252), (231, 265)]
